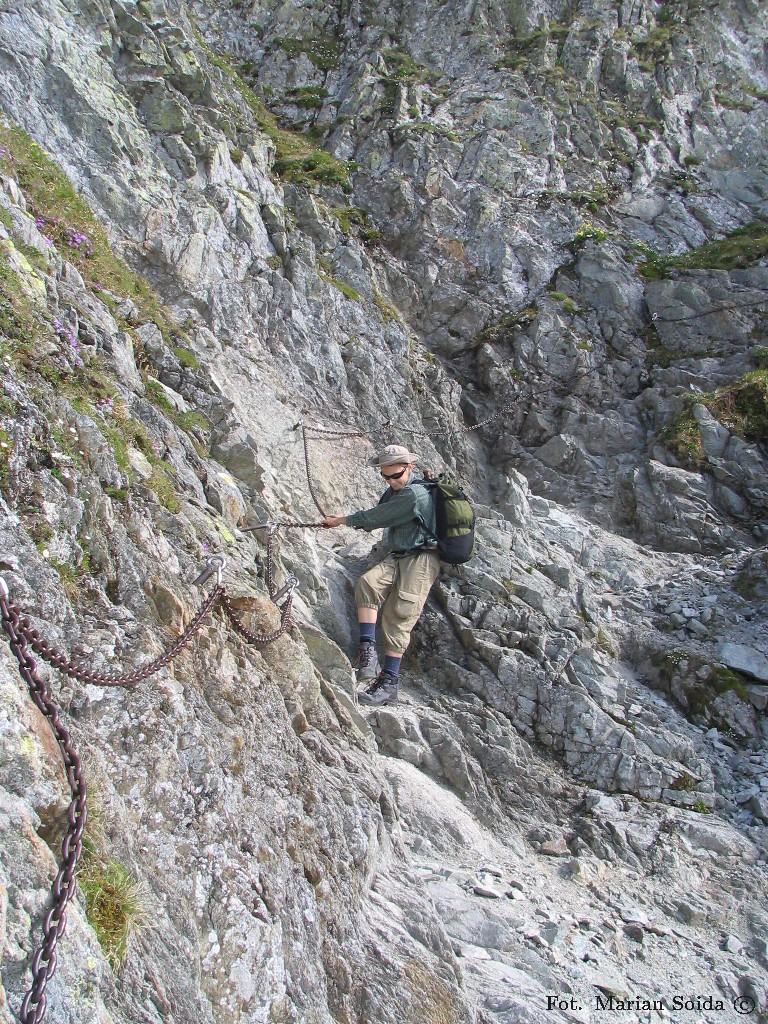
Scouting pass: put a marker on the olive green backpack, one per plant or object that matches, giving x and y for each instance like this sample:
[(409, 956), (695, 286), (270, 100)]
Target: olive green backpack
[(455, 519)]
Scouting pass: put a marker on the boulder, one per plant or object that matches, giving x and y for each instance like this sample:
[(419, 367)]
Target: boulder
[(746, 659)]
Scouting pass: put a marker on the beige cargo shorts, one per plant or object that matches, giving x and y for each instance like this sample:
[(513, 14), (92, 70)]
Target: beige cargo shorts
[(402, 586)]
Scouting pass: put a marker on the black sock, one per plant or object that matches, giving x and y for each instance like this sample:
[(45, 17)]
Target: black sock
[(392, 665)]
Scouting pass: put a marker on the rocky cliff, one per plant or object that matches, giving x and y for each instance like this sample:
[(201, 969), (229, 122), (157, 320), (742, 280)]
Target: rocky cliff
[(527, 239)]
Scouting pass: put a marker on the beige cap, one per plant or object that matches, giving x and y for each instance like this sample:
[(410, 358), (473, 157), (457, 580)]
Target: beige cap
[(392, 455)]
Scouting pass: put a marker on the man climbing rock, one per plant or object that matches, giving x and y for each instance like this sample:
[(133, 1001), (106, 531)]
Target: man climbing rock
[(399, 584)]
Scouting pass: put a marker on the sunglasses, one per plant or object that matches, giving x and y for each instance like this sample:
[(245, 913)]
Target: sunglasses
[(394, 476)]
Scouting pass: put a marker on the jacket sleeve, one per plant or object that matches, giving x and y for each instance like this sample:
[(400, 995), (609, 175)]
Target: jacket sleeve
[(395, 512)]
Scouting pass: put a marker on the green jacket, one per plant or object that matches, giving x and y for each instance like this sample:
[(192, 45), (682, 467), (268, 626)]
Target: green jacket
[(407, 515)]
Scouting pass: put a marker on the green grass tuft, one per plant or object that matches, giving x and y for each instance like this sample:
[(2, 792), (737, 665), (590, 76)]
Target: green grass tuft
[(21, 322), (722, 680), (742, 248), (307, 97), (297, 160), (352, 219), (742, 407), (387, 310), (65, 217), (346, 290), (113, 906), (734, 103), (588, 232), (323, 51), (684, 783), (71, 576), (191, 420), (186, 357), (6, 450), (116, 493), (403, 68), (158, 397), (162, 484)]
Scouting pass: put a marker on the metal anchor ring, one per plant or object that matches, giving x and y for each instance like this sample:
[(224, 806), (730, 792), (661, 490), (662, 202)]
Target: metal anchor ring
[(288, 588), (213, 564)]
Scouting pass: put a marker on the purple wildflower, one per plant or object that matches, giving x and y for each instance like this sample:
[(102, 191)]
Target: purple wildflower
[(78, 240), (69, 336)]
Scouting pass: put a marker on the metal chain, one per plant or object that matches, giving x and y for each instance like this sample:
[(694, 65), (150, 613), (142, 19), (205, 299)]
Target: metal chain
[(294, 526), (44, 962), (318, 506), (321, 432), (496, 416), (259, 640), (59, 660), (269, 572), (507, 407), (388, 425), (282, 524), (23, 635)]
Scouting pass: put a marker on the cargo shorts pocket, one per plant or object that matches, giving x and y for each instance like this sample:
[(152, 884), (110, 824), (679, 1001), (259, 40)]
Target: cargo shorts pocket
[(406, 606)]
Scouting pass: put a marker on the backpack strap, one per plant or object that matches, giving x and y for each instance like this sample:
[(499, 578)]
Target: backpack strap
[(429, 486)]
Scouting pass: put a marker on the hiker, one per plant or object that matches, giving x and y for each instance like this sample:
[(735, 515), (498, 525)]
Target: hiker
[(399, 584)]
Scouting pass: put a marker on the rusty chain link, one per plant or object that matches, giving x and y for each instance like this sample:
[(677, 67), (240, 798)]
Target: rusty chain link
[(269, 574), (23, 636), (57, 659), (318, 506), (321, 432), (44, 961), (256, 638), (496, 416), (324, 432)]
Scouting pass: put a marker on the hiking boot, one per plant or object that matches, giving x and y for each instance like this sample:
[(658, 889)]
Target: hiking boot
[(366, 663), (383, 691)]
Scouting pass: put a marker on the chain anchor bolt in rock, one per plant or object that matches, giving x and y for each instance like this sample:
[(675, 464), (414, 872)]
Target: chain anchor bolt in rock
[(270, 526), (213, 564), (288, 588)]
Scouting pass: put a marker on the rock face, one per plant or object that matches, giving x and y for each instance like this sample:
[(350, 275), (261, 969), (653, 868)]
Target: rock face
[(493, 232)]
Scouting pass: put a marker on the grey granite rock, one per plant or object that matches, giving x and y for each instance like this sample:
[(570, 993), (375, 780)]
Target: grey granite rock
[(311, 860), (744, 658)]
